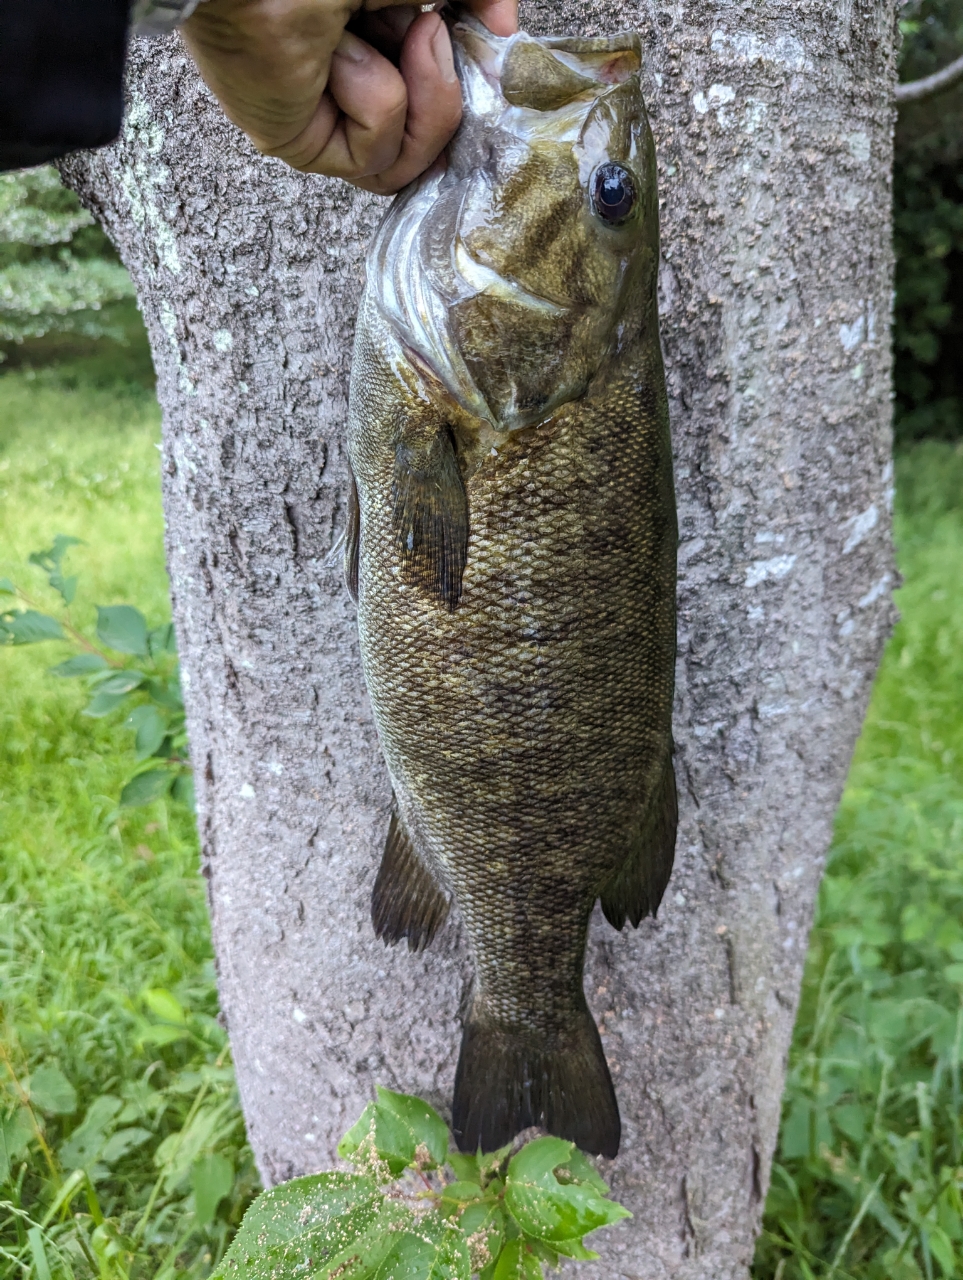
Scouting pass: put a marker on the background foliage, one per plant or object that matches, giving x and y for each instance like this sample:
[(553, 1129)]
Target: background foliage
[(928, 226), (122, 1150), (119, 1121), (58, 271)]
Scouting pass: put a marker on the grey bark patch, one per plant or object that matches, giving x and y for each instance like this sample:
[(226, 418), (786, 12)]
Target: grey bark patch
[(773, 128)]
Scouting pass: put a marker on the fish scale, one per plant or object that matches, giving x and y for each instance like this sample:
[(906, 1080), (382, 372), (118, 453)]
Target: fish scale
[(514, 560)]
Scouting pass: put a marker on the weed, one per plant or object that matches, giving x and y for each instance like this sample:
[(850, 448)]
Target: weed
[(122, 1149)]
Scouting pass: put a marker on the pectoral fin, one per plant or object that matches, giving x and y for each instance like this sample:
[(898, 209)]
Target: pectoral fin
[(352, 539), (430, 516), (637, 887)]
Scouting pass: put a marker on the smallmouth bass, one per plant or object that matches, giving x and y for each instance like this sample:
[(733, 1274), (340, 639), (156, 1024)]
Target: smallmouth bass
[(512, 549)]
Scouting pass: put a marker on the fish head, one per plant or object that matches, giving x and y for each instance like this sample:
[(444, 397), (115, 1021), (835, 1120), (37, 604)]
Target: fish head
[(519, 268)]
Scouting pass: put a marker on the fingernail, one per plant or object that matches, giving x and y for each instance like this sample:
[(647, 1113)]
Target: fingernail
[(441, 51), (350, 47)]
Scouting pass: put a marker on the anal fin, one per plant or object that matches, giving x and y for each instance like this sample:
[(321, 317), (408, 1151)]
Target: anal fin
[(637, 887), (430, 516), (405, 902)]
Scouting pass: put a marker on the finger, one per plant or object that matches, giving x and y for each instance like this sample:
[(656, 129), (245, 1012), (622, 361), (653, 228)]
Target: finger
[(499, 16), (434, 103), (358, 128)]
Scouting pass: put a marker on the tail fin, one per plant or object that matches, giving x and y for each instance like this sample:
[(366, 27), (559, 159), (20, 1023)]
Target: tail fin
[(507, 1082)]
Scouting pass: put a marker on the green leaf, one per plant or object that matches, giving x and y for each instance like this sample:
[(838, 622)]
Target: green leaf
[(362, 1128), (102, 704), (579, 1168), (328, 1223), (51, 1091), (144, 788), (124, 1140), (404, 1131), (483, 1226), (161, 1033), (551, 1210), (166, 693), (30, 627), (41, 1264), (458, 1194), (162, 641), (87, 1141), (51, 557), (50, 561), (183, 790), (207, 1129), (150, 729), (465, 1167), (517, 1262), (491, 1165), (121, 682), (82, 664), (7, 587), (941, 1246), (432, 1251), (212, 1178), (423, 1122), (16, 1134), (123, 628), (164, 1005)]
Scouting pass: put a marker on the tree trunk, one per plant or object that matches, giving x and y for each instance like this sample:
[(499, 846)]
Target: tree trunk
[(773, 125)]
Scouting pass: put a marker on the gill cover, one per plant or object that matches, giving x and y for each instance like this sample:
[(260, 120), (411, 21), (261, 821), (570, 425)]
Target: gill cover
[(505, 272)]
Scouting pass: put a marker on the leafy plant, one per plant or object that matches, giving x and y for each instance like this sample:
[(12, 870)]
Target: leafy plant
[(187, 1125), (868, 1179), (58, 272), (132, 668), (413, 1209), (928, 231)]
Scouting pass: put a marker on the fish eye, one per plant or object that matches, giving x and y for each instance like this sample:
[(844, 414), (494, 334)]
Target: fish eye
[(613, 193)]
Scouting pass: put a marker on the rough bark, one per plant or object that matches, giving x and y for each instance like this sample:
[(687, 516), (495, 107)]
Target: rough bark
[(773, 124)]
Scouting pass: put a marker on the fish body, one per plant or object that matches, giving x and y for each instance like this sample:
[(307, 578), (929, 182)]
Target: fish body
[(512, 549)]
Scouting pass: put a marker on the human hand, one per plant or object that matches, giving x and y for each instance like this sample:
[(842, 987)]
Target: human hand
[(363, 90)]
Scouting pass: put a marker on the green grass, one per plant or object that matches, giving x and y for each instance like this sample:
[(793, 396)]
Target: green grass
[(109, 1046), (869, 1173)]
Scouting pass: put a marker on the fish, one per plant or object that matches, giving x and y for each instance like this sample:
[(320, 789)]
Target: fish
[(511, 547)]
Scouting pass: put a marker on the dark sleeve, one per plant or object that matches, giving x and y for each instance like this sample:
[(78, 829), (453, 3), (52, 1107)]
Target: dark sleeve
[(61, 77)]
